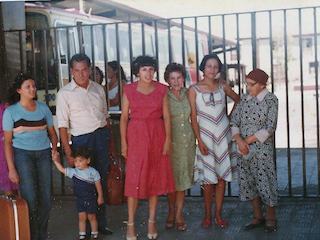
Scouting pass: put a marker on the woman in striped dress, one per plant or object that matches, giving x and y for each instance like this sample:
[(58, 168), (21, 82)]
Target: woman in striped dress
[(215, 163)]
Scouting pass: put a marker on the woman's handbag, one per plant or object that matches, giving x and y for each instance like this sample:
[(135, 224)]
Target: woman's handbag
[(251, 153), (115, 184)]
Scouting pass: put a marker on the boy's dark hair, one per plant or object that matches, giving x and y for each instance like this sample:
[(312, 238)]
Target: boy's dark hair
[(79, 58), (82, 152)]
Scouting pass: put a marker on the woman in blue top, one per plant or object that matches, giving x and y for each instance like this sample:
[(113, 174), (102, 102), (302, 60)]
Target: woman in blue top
[(27, 124)]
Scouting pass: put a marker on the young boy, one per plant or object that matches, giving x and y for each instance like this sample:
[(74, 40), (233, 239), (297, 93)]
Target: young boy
[(86, 181)]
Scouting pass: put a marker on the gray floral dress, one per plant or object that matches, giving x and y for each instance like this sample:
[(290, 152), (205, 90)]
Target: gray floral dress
[(257, 177), (183, 140)]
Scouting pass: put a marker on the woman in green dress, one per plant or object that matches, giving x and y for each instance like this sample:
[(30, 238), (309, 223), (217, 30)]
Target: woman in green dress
[(183, 142)]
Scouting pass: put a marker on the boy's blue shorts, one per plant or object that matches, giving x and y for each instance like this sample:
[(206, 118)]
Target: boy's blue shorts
[(87, 205)]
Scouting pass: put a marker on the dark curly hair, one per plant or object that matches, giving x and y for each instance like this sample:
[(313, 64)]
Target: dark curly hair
[(174, 67), (79, 57), (206, 58), (100, 73), (13, 95), (114, 66), (143, 61), (83, 152)]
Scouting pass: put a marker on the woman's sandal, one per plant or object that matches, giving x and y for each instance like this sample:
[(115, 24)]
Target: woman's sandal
[(221, 223), (206, 223), (251, 226), (181, 226), (152, 235), (130, 238), (269, 229)]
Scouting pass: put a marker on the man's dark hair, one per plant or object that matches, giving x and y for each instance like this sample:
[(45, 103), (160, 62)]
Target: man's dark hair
[(79, 58)]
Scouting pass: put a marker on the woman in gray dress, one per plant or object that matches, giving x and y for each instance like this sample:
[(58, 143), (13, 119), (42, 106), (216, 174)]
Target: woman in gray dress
[(253, 124)]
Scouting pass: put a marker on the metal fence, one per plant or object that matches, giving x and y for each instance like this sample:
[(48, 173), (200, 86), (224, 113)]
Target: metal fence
[(283, 42)]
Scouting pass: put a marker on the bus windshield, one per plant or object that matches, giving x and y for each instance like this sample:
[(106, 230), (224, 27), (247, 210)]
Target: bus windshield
[(41, 60)]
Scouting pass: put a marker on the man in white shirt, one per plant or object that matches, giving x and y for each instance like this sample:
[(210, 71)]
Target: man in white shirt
[(82, 108)]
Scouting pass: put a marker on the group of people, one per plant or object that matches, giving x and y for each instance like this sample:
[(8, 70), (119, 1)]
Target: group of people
[(159, 128), (160, 148)]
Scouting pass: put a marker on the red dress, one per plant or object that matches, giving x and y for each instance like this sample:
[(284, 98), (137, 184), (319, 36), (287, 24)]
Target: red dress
[(148, 172)]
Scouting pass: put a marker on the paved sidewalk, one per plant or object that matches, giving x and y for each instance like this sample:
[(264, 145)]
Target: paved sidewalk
[(298, 218)]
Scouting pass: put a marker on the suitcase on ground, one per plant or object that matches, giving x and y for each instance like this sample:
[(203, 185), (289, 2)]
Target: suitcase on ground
[(14, 218)]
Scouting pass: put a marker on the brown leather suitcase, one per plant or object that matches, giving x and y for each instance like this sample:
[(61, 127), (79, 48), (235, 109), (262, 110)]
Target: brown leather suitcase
[(14, 218)]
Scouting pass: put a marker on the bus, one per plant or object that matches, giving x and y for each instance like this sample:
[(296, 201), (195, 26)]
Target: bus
[(53, 35)]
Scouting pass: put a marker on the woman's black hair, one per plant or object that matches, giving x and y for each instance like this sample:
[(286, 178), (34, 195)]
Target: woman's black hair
[(174, 67), (82, 151), (114, 66), (143, 61), (206, 58), (13, 95), (100, 73)]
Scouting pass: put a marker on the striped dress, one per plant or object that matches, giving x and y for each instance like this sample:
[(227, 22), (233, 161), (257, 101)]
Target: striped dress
[(214, 127)]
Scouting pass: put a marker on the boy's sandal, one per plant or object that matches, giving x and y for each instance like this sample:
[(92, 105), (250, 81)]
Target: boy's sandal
[(81, 237), (269, 229)]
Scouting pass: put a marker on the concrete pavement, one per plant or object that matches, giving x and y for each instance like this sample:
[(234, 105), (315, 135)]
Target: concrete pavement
[(298, 218)]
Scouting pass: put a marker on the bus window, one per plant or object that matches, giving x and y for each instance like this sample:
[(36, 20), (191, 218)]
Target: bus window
[(124, 46), (112, 49), (86, 35), (136, 43), (149, 45), (201, 51), (63, 49), (36, 21), (163, 50), (98, 43), (42, 66), (176, 49), (63, 46)]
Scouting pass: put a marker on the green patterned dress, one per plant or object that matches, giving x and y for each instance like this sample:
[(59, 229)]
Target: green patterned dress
[(183, 140)]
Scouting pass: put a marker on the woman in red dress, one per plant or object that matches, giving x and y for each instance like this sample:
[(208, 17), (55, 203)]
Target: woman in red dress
[(146, 142)]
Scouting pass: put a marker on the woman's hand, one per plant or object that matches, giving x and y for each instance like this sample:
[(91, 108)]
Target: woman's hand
[(13, 176), (166, 148), (203, 148), (124, 149), (243, 146)]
